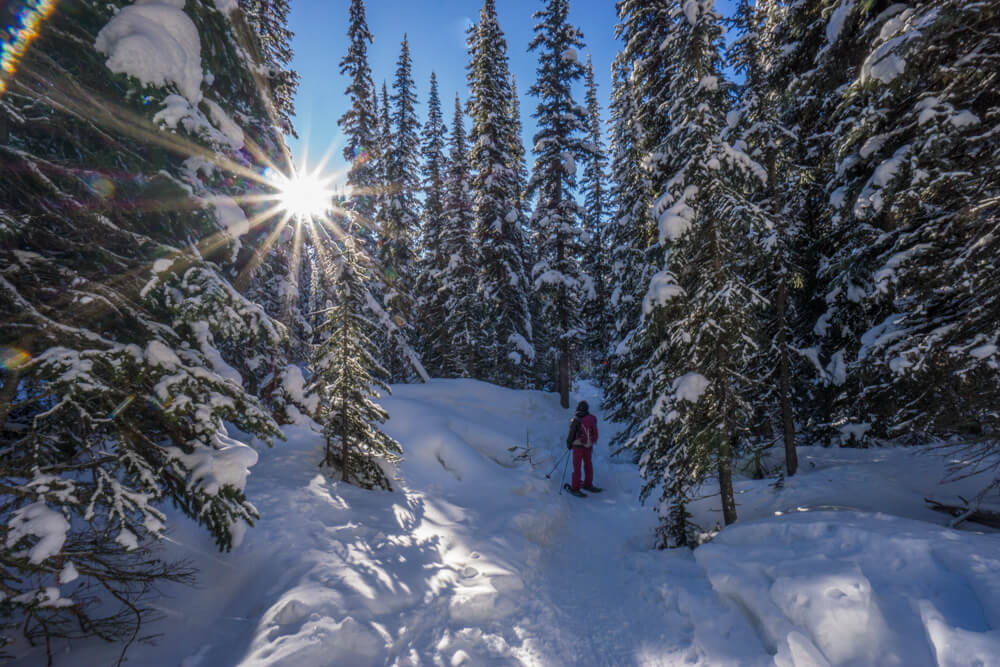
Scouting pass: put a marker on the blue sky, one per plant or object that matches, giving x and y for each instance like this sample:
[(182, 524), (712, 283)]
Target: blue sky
[(436, 31)]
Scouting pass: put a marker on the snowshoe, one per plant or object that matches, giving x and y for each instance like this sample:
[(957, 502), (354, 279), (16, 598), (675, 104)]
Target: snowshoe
[(575, 492), (592, 489)]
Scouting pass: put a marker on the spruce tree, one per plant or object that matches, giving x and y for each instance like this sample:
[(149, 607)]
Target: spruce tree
[(399, 229), (269, 21), (559, 282), (642, 77), (812, 52), (458, 278), (359, 123), (700, 311), (504, 339), (783, 372), (519, 155), (914, 198), (346, 377), (596, 253), (126, 348), (431, 293), (630, 272), (381, 155), (526, 251)]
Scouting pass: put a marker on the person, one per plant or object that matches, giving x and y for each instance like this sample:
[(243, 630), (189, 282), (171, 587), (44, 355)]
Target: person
[(581, 439)]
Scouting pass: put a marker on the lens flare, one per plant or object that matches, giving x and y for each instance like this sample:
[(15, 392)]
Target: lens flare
[(17, 37), (121, 406), (12, 358), (101, 186), (157, 404), (360, 155)]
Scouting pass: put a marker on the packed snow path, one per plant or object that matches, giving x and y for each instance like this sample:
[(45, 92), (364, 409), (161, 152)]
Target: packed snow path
[(476, 559)]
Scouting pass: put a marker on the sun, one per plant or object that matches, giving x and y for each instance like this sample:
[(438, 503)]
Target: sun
[(304, 194)]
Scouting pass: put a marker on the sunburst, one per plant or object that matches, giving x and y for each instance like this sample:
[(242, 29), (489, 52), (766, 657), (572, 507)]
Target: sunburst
[(304, 194)]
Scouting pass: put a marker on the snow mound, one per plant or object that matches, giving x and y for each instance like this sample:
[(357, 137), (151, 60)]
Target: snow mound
[(155, 42), (848, 588)]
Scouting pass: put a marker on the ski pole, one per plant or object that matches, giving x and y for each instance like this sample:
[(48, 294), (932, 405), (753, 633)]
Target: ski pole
[(549, 475), (562, 479)]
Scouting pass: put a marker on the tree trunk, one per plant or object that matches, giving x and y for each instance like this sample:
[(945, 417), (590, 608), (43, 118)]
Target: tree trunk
[(784, 384), (726, 479), (564, 376)]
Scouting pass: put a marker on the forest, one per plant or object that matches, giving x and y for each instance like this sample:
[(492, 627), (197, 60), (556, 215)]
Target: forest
[(779, 229)]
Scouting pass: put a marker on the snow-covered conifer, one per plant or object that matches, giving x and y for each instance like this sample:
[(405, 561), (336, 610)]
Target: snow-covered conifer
[(641, 76), (914, 197), (269, 21), (783, 372), (126, 349), (596, 255), (462, 317), (559, 283), (346, 377), (380, 155), (809, 53), (359, 123), (400, 225), (700, 311), (504, 336), (430, 293), (629, 270)]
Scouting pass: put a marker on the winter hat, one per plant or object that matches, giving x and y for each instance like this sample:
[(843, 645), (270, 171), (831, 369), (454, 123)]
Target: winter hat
[(582, 407)]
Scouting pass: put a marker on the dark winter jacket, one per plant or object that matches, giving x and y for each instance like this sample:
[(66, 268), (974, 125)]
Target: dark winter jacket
[(582, 430)]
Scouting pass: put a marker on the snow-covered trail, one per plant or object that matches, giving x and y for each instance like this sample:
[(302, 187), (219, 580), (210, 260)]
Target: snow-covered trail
[(606, 598), (476, 559)]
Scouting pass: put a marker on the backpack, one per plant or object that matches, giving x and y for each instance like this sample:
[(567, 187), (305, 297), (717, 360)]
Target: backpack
[(582, 431), (588, 431)]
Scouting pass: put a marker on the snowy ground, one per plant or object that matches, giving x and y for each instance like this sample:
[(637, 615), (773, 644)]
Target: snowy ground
[(477, 560)]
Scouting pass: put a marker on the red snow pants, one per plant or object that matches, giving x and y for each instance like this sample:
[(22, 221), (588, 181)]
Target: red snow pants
[(582, 455)]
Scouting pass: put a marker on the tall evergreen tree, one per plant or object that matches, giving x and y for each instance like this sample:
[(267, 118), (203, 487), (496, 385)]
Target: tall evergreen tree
[(519, 153), (642, 75), (505, 334), (784, 373), (700, 310), (432, 296), (559, 282), (811, 51), (596, 253), (914, 197), (381, 155), (125, 346), (346, 378), (269, 21), (399, 230), (458, 278), (625, 392), (359, 123)]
